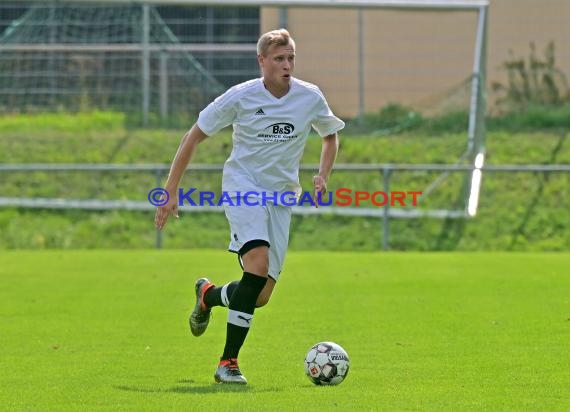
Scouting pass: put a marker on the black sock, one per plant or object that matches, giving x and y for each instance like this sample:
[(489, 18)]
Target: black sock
[(220, 295), (240, 314)]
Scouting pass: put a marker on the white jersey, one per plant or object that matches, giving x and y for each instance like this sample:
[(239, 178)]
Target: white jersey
[(269, 133)]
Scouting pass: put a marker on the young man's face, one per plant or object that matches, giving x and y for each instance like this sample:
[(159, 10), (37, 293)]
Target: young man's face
[(277, 65)]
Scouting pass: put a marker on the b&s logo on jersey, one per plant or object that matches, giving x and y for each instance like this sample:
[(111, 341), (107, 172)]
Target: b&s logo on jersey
[(278, 132)]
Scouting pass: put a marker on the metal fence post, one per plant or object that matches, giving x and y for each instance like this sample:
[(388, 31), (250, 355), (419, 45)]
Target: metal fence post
[(386, 172), (158, 175), (145, 63), (163, 85), (361, 73), (283, 17)]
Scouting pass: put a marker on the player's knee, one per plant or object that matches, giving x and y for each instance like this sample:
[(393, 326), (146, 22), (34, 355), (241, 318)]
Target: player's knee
[(256, 259), (258, 266)]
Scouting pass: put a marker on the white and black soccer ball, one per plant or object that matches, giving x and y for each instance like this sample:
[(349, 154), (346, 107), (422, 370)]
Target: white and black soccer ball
[(326, 363)]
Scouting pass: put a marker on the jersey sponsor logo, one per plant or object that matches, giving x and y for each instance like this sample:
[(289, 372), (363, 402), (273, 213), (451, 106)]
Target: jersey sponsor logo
[(260, 112), (281, 128), (278, 132)]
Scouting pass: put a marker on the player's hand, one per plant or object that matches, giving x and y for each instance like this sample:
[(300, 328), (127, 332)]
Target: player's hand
[(163, 212), (320, 185)]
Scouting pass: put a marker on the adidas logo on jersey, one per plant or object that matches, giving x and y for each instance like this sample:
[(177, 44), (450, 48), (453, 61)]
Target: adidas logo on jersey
[(260, 112)]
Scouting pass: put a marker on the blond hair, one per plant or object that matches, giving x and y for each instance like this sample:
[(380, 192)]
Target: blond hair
[(280, 37)]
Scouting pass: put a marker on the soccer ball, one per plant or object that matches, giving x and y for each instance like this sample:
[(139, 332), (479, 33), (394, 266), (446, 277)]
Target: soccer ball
[(326, 363)]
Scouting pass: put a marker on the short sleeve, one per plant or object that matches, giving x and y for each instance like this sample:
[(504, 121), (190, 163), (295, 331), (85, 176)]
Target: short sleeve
[(325, 122), (218, 114)]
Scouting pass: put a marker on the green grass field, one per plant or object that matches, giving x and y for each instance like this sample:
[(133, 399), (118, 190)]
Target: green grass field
[(103, 330)]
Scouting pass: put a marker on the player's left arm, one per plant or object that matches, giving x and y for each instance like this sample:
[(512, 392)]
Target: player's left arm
[(328, 156)]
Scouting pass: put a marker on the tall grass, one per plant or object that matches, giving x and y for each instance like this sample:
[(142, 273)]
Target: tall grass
[(518, 211)]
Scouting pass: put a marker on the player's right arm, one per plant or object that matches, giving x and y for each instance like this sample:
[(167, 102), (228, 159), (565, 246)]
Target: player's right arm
[(183, 156)]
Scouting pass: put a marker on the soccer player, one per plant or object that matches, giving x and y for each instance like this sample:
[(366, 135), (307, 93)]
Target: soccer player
[(271, 117)]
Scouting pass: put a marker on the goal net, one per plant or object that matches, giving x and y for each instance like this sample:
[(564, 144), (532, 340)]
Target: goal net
[(79, 57)]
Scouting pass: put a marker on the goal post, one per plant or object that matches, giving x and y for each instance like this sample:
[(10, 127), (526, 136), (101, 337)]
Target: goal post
[(477, 113), (402, 4)]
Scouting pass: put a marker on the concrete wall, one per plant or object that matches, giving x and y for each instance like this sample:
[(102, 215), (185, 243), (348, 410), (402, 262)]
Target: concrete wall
[(418, 58)]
